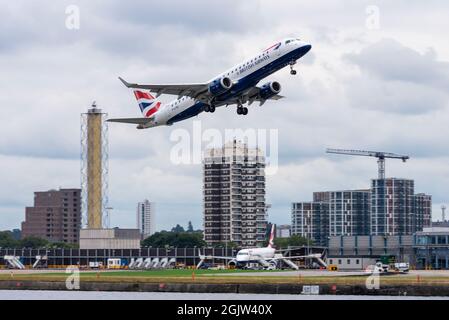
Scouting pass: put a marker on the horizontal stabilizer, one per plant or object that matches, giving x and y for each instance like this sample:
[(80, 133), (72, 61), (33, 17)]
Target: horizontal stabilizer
[(132, 120)]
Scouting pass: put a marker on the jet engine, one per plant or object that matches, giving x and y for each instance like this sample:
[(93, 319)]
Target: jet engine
[(232, 263), (220, 86), (270, 89)]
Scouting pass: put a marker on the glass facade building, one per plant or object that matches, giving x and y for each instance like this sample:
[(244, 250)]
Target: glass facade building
[(432, 248)]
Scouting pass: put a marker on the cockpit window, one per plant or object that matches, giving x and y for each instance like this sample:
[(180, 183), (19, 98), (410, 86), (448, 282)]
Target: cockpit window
[(291, 40)]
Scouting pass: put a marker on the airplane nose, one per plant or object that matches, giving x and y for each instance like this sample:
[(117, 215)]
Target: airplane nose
[(307, 47)]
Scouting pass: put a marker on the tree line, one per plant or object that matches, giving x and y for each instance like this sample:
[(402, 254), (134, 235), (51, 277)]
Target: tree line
[(177, 237), (8, 241)]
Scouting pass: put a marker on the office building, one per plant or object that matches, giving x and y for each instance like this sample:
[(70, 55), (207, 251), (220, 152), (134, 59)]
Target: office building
[(234, 195), (146, 218), (55, 216)]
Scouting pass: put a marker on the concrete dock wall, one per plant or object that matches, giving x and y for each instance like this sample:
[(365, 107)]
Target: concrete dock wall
[(408, 290)]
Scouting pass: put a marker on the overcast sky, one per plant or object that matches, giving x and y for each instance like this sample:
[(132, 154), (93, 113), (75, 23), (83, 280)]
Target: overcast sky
[(370, 81)]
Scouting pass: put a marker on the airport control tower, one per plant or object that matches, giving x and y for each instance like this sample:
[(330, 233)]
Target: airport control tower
[(94, 167)]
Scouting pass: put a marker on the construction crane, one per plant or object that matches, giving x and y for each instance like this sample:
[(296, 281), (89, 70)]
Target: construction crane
[(381, 156)]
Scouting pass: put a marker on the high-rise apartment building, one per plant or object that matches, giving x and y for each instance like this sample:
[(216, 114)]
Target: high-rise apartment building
[(55, 216), (348, 212), (390, 207), (234, 195), (393, 209), (146, 218), (311, 220), (423, 211), (332, 213)]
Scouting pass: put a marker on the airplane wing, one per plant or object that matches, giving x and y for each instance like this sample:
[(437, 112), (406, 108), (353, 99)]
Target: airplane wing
[(251, 95), (193, 90), (310, 256), (131, 120), (216, 257)]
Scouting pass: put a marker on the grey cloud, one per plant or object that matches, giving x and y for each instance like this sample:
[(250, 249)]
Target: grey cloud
[(389, 60), (395, 96), (54, 74), (397, 79)]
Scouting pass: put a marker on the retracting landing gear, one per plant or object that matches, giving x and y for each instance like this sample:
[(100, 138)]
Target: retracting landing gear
[(242, 110), (210, 109), (292, 71)]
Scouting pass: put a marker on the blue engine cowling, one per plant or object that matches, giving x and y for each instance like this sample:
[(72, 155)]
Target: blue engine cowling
[(220, 86), (270, 89)]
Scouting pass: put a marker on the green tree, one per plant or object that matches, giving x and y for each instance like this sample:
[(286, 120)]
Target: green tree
[(34, 243), (63, 245), (178, 228), (293, 241), (190, 227), (7, 240), (175, 239)]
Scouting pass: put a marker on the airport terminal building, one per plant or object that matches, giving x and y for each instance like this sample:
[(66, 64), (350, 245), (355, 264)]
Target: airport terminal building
[(427, 249)]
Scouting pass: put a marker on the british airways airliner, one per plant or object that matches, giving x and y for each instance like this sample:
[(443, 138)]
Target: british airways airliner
[(236, 86)]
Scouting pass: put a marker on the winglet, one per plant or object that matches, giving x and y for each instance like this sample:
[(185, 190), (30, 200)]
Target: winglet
[(127, 84)]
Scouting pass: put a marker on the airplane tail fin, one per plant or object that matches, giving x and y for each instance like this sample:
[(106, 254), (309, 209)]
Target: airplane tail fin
[(147, 103), (271, 240)]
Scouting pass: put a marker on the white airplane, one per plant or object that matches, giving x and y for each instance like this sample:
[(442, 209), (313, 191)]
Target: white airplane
[(237, 85), (267, 257)]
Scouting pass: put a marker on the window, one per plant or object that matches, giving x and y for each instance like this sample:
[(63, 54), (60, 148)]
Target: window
[(357, 261), (339, 261), (348, 261)]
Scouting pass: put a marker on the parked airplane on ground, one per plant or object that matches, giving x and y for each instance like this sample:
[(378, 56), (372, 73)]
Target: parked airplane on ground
[(266, 257), (237, 85)]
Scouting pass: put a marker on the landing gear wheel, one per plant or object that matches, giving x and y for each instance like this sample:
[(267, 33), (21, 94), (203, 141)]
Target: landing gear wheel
[(239, 110), (207, 109), (245, 111), (292, 71), (212, 109)]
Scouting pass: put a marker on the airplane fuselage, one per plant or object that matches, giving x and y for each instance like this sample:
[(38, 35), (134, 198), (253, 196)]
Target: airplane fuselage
[(254, 255), (244, 76)]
